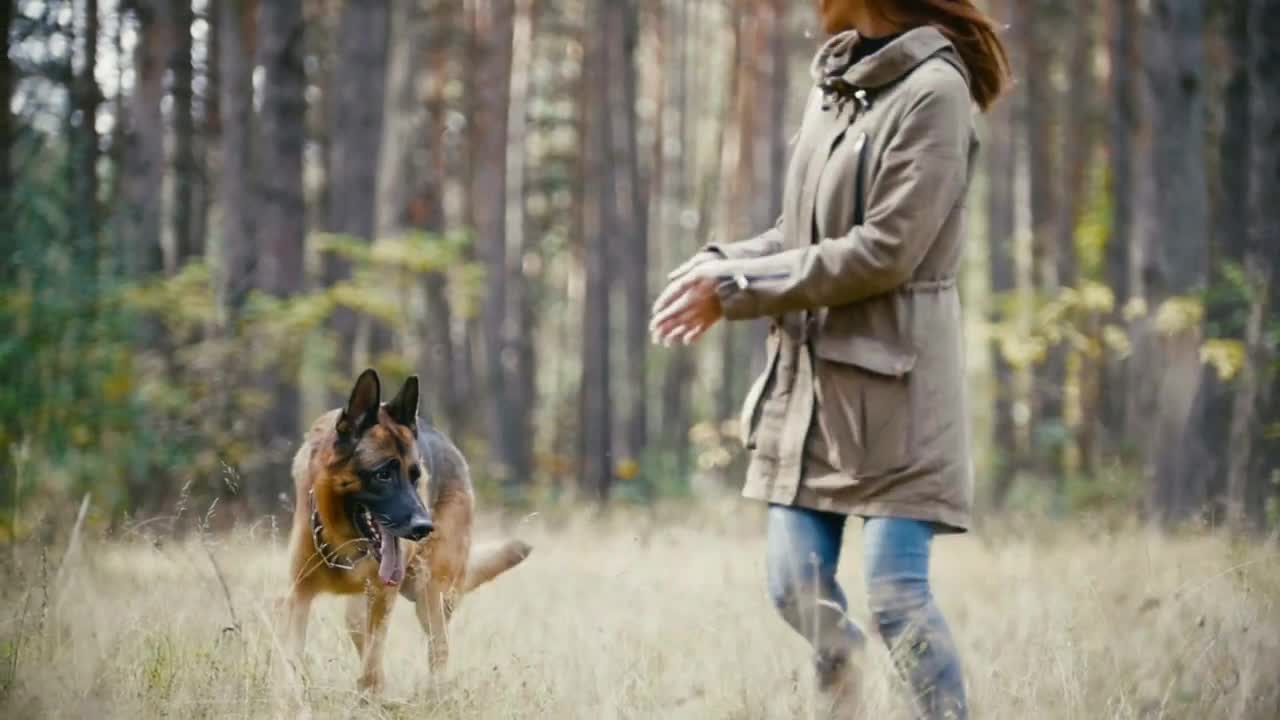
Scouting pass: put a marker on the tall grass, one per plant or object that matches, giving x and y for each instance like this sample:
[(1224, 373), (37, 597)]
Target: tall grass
[(640, 616)]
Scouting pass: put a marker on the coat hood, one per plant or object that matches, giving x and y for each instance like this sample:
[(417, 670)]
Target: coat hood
[(886, 66)]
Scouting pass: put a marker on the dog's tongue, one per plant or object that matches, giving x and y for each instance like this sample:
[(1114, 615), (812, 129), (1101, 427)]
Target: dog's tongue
[(391, 569)]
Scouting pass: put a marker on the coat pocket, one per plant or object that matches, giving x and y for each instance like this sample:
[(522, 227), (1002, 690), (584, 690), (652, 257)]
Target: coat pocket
[(749, 417), (864, 404)]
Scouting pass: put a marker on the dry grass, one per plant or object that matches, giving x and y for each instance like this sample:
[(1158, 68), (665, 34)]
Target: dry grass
[(642, 618)]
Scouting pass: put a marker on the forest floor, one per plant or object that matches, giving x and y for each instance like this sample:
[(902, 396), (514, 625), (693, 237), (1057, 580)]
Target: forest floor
[(640, 616)]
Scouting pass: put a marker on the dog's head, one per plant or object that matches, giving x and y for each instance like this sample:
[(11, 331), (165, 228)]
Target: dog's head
[(378, 465)]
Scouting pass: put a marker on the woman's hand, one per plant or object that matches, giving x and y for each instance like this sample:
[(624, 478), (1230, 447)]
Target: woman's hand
[(698, 259), (689, 305)]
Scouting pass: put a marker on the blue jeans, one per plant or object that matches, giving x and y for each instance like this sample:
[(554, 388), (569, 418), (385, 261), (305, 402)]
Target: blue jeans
[(803, 554)]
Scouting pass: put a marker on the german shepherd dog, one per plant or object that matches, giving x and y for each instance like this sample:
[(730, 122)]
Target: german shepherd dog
[(383, 507)]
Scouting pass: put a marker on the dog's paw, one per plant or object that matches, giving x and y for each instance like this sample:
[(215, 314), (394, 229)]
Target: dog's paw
[(520, 549)]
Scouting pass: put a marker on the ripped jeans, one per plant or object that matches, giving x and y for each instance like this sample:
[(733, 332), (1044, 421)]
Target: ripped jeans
[(803, 554)]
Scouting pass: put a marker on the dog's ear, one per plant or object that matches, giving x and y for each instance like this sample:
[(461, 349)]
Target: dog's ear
[(404, 408), (361, 412)]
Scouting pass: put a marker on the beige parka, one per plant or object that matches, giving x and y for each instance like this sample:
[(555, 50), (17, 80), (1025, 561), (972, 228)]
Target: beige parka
[(862, 406)]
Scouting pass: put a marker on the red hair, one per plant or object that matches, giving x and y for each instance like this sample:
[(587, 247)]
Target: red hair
[(974, 35)]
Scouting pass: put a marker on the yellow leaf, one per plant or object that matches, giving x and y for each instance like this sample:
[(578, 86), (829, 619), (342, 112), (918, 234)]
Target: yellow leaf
[(1226, 356), (1097, 298), (626, 469), (1116, 339), (1178, 315), (1135, 308)]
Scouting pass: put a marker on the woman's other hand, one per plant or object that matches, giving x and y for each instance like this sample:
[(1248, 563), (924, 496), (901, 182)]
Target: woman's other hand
[(698, 259), (689, 305)]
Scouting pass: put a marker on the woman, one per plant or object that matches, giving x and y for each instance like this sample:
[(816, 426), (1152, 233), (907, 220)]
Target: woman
[(861, 409)]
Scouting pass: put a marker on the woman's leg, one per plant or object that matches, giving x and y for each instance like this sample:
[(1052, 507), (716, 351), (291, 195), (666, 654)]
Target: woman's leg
[(803, 553), (904, 613)]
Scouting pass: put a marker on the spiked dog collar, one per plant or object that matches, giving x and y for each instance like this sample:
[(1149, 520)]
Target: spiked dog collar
[(327, 554)]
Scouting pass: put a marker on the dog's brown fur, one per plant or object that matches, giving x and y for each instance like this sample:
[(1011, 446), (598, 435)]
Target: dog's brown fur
[(439, 570)]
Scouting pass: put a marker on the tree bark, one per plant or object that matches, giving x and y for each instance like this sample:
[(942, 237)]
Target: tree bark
[(209, 129), (1254, 452), (402, 159), (632, 229), (489, 95), (769, 153), (1078, 142), (453, 379), (1176, 247), (144, 155), (678, 377), (182, 158), (595, 474), (7, 78), (1213, 448), (1077, 139), (1001, 172), (1122, 128), (359, 79), (87, 97), (520, 321), (1043, 168), (281, 214), (236, 42)]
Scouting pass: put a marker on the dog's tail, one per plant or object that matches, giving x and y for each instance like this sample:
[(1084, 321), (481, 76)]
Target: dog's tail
[(487, 563)]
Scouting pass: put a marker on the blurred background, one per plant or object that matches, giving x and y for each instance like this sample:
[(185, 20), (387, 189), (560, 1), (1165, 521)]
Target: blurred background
[(215, 213)]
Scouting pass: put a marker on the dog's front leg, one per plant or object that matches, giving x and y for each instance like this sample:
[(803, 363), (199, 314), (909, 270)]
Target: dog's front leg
[(290, 668), (378, 610), (357, 623), (295, 632), (431, 614)]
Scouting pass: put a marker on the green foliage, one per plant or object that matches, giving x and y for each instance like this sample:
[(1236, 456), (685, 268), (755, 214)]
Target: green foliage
[(1093, 229), (1114, 490), (1079, 318), (140, 392)]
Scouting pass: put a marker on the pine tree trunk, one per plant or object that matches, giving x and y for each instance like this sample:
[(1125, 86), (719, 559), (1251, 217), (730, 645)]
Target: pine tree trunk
[(1122, 128), (633, 238), (238, 255), (1255, 460), (452, 378), (1077, 138), (595, 473), (1174, 264), (769, 152), (489, 95), (521, 313), (1042, 168), (7, 77), (731, 182), (678, 378), (209, 130), (237, 31), (1210, 460), (182, 158), (404, 163), (87, 97), (144, 155), (356, 107), (1245, 419), (281, 214), (1001, 172), (1078, 141)]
